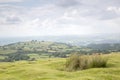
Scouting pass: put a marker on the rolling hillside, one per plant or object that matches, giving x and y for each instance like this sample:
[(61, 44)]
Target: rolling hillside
[(37, 49), (51, 69)]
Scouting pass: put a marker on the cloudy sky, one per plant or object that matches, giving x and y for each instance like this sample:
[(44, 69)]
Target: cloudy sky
[(58, 17)]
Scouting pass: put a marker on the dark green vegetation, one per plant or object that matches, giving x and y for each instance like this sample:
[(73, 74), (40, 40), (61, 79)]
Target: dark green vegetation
[(80, 62), (105, 47)]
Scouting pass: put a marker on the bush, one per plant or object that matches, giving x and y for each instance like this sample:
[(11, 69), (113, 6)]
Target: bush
[(16, 57), (98, 61), (84, 62), (80, 62), (72, 63)]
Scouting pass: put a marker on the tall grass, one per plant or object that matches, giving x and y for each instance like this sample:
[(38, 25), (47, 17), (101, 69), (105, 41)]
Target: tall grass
[(73, 63), (98, 61), (80, 62)]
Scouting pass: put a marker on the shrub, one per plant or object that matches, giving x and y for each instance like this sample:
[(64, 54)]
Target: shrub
[(72, 63), (16, 57), (98, 61), (84, 62), (80, 62)]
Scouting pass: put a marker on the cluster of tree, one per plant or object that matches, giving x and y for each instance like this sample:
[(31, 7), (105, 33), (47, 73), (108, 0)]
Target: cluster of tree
[(58, 54), (16, 57), (105, 47), (92, 51)]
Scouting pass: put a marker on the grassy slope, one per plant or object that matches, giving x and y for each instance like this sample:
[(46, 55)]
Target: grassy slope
[(49, 70)]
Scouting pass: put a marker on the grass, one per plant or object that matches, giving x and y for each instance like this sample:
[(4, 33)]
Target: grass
[(2, 57), (37, 56), (50, 69), (7, 51), (98, 60), (81, 62)]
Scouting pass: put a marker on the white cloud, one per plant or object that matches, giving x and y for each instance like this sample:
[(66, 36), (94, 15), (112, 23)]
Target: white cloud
[(81, 19), (114, 9)]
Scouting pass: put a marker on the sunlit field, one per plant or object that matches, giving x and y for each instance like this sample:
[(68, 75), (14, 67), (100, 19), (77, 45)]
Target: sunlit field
[(53, 69)]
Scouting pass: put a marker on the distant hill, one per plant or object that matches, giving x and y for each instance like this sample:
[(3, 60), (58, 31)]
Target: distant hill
[(76, 40), (34, 49), (105, 46), (37, 49)]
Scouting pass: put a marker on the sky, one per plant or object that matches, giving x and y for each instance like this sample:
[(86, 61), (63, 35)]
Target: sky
[(59, 17)]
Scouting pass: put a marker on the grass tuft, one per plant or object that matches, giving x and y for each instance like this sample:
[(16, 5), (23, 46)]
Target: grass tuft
[(80, 62)]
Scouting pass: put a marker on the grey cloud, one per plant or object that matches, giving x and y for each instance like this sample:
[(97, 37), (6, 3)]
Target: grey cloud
[(10, 14), (6, 1), (101, 14), (67, 3), (108, 15), (13, 20), (92, 8), (10, 21)]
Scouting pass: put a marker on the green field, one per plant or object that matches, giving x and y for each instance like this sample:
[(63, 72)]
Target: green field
[(37, 49), (51, 69)]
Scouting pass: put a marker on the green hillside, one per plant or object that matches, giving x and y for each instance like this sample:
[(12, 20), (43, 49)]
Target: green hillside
[(35, 50), (51, 69)]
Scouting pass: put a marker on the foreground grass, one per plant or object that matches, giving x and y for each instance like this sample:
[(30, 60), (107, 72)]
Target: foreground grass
[(51, 69), (81, 62)]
